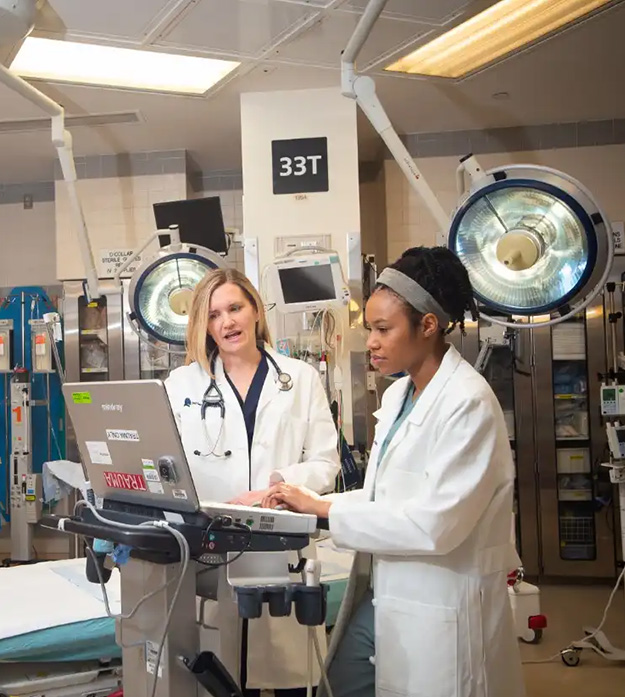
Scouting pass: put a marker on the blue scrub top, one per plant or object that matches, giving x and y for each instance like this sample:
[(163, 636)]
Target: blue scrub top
[(406, 407), (250, 405)]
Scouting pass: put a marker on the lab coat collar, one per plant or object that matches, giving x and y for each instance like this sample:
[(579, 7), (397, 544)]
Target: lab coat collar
[(395, 398), (451, 360)]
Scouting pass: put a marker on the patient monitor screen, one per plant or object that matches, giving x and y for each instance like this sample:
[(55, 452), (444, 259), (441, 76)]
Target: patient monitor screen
[(305, 284)]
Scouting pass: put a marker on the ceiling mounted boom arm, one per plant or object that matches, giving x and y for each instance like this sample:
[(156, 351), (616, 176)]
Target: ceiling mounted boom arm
[(62, 141), (362, 89)]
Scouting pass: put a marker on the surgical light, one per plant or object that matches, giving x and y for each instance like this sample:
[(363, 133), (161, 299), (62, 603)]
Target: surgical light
[(533, 241), (506, 26), (161, 290)]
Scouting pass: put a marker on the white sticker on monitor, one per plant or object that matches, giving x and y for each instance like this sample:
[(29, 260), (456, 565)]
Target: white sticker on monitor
[(117, 434), (151, 475), (99, 453), (155, 487), (179, 494)]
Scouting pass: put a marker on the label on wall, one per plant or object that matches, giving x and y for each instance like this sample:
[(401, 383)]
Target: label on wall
[(111, 259), (300, 165)]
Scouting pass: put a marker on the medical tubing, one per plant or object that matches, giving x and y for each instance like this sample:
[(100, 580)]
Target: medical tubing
[(315, 639)]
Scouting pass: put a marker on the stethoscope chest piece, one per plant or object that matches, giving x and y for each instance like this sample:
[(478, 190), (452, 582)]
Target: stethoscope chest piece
[(285, 382)]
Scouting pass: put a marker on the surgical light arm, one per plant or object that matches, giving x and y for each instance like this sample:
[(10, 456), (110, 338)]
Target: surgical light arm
[(362, 89), (62, 141)]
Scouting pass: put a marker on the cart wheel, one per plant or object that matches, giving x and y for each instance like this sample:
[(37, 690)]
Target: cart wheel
[(536, 638), (570, 657)]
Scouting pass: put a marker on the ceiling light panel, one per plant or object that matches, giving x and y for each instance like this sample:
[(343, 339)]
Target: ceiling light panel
[(236, 27), (499, 30), (110, 66)]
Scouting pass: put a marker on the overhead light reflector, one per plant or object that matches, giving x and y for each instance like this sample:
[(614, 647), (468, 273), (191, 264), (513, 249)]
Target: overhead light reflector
[(110, 66), (502, 28)]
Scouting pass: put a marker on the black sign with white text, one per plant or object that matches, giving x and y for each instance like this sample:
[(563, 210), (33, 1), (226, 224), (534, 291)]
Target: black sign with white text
[(300, 166)]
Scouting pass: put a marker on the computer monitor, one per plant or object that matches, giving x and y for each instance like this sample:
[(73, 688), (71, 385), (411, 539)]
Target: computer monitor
[(199, 220), (308, 283)]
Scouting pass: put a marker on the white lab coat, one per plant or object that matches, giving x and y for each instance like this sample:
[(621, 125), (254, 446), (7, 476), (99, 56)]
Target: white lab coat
[(294, 440), (439, 535)]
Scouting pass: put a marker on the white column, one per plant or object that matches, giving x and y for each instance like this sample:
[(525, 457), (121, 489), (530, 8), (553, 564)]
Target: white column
[(277, 116)]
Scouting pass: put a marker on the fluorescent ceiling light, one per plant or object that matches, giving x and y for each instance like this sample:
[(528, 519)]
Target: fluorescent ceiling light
[(109, 66), (502, 28)]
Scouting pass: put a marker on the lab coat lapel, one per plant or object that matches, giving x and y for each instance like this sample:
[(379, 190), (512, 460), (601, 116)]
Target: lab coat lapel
[(427, 398), (270, 388), (234, 421)]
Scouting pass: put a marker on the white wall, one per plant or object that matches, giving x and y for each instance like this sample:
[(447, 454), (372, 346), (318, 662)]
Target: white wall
[(601, 169), (118, 212), (27, 244)]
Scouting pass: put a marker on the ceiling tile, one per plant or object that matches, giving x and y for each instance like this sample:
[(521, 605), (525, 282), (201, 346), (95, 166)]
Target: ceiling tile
[(241, 27), (113, 18), (322, 44), (436, 11)]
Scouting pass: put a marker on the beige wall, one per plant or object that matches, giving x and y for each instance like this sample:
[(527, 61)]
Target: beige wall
[(27, 244), (373, 218), (601, 169), (118, 212)]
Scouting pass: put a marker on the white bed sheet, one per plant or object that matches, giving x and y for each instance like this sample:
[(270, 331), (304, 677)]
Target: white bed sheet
[(52, 594)]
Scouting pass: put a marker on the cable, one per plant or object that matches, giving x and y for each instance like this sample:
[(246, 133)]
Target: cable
[(227, 562), (596, 631), (184, 563)]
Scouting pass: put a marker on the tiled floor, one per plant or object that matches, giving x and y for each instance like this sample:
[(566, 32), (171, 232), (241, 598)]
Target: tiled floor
[(568, 610)]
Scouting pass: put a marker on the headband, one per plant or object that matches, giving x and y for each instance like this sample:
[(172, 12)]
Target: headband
[(414, 294)]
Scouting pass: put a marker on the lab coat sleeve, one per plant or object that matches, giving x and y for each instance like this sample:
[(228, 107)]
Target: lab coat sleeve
[(320, 464), (447, 503)]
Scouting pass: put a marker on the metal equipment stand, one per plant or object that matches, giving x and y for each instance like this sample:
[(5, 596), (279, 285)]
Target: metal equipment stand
[(141, 635), (241, 581)]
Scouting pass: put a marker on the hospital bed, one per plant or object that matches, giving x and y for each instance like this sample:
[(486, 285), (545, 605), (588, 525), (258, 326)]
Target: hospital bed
[(55, 636)]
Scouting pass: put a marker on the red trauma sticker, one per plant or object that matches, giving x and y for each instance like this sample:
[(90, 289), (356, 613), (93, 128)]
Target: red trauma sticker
[(121, 480)]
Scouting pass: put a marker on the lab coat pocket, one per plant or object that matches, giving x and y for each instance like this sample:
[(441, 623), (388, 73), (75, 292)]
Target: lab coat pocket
[(416, 649)]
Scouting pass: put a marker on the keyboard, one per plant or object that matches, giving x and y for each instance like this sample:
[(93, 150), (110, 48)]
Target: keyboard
[(263, 519)]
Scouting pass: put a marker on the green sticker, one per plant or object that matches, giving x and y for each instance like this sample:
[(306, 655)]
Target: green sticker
[(81, 397)]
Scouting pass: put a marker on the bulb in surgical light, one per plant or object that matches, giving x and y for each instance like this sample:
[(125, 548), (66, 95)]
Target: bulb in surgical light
[(525, 248)]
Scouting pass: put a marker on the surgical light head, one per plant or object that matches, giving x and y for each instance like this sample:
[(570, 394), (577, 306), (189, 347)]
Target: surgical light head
[(162, 289), (533, 241)]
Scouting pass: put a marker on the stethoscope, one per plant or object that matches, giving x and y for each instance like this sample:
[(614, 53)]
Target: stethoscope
[(213, 398)]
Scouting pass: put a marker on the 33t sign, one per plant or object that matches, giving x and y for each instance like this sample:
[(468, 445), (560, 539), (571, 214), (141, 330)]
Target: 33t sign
[(300, 166)]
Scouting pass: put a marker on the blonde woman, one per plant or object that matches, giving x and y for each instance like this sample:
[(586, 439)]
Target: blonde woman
[(250, 418)]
